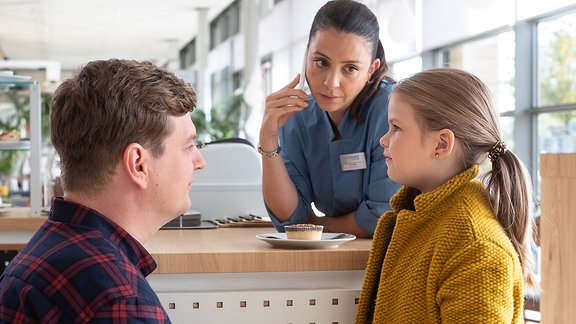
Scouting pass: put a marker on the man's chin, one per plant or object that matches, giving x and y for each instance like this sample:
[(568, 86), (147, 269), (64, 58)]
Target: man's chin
[(188, 206)]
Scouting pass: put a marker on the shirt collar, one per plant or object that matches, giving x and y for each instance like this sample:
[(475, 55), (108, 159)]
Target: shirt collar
[(410, 198), (68, 212)]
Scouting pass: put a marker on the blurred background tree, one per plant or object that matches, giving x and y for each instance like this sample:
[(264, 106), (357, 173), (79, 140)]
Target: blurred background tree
[(558, 84), (224, 121)]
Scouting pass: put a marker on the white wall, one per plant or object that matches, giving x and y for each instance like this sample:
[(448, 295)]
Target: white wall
[(283, 32)]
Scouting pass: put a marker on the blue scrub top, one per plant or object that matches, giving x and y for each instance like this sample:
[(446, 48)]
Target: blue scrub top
[(312, 158)]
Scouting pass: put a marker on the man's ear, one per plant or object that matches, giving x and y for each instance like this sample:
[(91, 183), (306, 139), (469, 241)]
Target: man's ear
[(135, 162), (445, 143)]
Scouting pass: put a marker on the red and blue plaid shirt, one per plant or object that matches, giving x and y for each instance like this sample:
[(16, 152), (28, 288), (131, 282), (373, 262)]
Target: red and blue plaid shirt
[(78, 268)]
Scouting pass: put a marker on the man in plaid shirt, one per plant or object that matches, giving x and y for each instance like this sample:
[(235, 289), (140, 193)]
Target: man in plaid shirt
[(126, 144)]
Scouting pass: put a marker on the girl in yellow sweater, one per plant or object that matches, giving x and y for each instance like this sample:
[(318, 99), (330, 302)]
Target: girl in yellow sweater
[(453, 249)]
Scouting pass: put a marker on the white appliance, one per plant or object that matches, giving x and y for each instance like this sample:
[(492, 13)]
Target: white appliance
[(231, 183)]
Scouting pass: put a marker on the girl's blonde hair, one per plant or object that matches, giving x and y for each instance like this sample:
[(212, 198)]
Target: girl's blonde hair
[(448, 98)]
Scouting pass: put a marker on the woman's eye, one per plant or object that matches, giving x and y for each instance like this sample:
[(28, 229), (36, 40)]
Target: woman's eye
[(320, 63), (351, 69)]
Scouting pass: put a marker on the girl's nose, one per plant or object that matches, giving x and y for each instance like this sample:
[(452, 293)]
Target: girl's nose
[(384, 140)]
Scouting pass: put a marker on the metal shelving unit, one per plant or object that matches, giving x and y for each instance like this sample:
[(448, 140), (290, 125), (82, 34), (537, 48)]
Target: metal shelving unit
[(8, 83)]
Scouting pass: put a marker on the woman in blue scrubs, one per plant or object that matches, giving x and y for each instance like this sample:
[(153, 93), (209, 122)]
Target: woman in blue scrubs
[(323, 149)]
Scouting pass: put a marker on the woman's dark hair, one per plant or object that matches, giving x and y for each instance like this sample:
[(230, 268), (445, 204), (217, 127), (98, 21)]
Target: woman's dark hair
[(353, 17)]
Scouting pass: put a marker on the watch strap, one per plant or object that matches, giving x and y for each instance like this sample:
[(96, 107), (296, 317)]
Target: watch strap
[(272, 154)]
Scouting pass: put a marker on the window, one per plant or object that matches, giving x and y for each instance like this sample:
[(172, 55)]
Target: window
[(492, 60), (556, 63), (187, 54), (224, 83), (220, 85), (405, 68), (225, 25), (556, 83)]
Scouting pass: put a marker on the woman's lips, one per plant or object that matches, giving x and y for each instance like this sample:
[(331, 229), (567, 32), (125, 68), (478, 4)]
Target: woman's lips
[(329, 97)]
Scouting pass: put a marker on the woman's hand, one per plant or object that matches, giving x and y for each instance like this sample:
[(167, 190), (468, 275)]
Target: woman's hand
[(339, 224), (280, 106)]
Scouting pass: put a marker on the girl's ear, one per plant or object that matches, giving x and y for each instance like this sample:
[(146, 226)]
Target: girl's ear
[(445, 145)]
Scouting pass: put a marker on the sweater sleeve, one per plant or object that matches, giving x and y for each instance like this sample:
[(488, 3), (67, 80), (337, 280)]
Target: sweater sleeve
[(476, 286)]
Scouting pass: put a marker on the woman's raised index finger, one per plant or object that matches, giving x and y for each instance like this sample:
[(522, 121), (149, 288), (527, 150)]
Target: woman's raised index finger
[(293, 83)]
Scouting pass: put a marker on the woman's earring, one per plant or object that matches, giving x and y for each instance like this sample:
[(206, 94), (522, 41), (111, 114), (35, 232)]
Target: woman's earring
[(437, 155)]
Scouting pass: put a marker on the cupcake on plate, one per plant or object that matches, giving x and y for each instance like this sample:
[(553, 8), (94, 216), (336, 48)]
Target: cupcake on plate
[(304, 232)]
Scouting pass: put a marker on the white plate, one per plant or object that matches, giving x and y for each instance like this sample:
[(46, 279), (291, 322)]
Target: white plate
[(327, 241)]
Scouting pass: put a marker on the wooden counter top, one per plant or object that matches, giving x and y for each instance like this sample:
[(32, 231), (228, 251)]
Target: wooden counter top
[(219, 250), (238, 250), (19, 219)]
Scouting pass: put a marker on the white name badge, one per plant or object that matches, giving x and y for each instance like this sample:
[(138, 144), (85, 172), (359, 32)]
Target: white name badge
[(353, 161)]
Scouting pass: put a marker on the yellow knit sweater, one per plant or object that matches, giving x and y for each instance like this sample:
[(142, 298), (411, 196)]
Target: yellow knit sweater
[(442, 257)]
